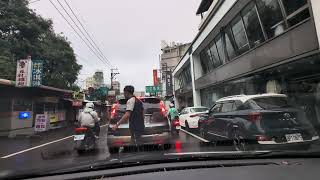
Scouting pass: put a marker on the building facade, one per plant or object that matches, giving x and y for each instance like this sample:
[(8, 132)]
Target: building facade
[(20, 105), (253, 47), (169, 58)]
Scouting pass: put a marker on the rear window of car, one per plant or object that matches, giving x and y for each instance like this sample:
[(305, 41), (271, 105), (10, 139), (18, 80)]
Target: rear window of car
[(196, 110), (151, 105), (269, 103), (122, 105)]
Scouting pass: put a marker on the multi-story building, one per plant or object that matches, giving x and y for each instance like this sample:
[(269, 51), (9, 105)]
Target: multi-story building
[(98, 79), (89, 82), (169, 58), (252, 47)]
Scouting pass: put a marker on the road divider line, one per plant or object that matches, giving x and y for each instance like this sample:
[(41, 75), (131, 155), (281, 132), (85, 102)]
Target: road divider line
[(36, 147), (42, 145), (191, 134)]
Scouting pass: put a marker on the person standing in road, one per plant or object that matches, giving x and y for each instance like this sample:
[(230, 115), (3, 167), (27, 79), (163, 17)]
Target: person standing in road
[(135, 115), (89, 118)]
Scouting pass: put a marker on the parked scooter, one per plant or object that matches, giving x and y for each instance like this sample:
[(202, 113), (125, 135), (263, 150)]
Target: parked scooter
[(84, 139)]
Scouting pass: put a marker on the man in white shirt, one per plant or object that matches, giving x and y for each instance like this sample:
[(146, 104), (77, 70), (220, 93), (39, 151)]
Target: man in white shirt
[(135, 115)]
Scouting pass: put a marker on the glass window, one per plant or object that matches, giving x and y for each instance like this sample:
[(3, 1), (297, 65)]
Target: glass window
[(271, 102), (253, 26), (220, 49), (239, 35), (21, 104), (293, 5), (227, 107), (210, 61), (196, 110), (203, 62), (214, 55), (5, 104), (299, 17), (271, 17), (230, 44), (216, 108)]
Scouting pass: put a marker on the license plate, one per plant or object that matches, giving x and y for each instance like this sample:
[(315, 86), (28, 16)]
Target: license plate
[(294, 137), (147, 120), (78, 137), (178, 127)]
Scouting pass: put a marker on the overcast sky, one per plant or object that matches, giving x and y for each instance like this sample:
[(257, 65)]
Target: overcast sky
[(129, 32)]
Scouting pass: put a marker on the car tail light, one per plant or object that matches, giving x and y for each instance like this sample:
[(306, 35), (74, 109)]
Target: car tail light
[(176, 123), (262, 138), (114, 111), (255, 116), (81, 129), (162, 107), (194, 115)]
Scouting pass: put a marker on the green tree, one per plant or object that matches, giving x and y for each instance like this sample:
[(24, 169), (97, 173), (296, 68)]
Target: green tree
[(23, 33)]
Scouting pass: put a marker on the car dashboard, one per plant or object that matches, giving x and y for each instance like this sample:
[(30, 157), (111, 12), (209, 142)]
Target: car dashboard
[(266, 169)]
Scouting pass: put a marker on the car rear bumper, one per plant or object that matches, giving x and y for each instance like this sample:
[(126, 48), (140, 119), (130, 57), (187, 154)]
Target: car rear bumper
[(153, 139), (272, 145)]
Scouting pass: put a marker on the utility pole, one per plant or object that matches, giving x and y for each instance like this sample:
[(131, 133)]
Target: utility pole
[(114, 72)]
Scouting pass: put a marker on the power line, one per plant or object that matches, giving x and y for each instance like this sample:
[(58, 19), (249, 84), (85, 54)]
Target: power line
[(77, 33), (81, 31), (34, 1), (86, 31)]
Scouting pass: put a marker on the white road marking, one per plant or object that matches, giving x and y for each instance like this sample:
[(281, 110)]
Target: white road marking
[(200, 138), (36, 147), (42, 145)]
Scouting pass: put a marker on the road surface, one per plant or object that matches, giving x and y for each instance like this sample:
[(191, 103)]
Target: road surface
[(52, 153)]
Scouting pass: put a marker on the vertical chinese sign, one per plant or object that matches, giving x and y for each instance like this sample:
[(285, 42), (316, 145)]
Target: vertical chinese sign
[(37, 72), (169, 85), (23, 73), (155, 77)]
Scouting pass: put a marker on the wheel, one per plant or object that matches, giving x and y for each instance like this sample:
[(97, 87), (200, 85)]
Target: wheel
[(202, 131), (187, 126), (238, 141), (113, 150)]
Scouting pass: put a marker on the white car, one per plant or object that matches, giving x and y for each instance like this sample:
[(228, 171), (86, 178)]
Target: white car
[(189, 117)]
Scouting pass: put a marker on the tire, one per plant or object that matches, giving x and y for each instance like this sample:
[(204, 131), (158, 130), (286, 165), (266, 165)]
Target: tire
[(187, 128), (202, 131), (113, 150), (80, 151)]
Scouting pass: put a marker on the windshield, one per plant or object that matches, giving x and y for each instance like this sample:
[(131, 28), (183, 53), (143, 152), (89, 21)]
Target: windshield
[(195, 110), (88, 82)]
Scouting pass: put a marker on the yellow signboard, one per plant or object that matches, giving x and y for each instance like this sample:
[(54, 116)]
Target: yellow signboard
[(53, 118)]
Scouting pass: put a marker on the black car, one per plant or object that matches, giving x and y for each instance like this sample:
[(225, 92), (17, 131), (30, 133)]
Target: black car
[(157, 128), (264, 121)]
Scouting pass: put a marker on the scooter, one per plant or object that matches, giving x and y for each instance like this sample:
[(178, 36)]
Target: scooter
[(175, 126), (84, 139)]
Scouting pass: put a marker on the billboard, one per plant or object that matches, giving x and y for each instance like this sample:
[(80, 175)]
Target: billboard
[(23, 77), (169, 85), (155, 78), (37, 72)]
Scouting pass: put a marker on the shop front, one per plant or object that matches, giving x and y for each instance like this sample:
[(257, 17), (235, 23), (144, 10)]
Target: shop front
[(19, 108)]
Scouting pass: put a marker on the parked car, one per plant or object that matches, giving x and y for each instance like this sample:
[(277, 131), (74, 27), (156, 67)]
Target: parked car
[(189, 117), (157, 128), (266, 120)]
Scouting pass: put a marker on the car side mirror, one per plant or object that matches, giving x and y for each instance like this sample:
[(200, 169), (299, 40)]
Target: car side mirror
[(207, 111)]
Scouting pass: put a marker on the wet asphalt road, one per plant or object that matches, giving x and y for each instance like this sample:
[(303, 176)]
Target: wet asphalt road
[(55, 153)]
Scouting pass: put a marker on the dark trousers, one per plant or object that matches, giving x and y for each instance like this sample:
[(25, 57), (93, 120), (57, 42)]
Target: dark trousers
[(136, 138)]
